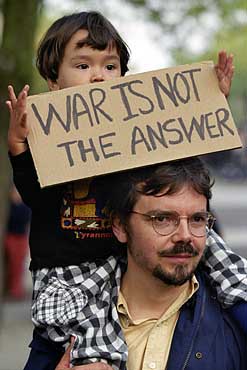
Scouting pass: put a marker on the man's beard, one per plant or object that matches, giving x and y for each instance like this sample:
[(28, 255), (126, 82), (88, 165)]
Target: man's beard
[(181, 274), (177, 277)]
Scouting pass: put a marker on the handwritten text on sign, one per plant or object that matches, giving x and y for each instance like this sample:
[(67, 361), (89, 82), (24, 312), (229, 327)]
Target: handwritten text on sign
[(129, 122)]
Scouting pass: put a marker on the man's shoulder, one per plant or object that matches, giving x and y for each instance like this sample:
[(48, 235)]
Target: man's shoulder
[(211, 332), (214, 314)]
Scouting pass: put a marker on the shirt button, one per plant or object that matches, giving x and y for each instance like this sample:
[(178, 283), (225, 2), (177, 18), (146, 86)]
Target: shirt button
[(152, 365), (198, 355)]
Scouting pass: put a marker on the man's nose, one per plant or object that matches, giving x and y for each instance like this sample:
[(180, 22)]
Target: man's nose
[(97, 75), (182, 232)]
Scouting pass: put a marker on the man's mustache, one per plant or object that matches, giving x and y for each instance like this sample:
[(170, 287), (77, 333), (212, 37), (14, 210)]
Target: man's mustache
[(179, 248)]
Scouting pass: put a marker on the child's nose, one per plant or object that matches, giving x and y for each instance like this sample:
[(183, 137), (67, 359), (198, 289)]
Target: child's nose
[(97, 75)]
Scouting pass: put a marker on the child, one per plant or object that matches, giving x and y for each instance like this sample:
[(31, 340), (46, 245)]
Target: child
[(73, 252)]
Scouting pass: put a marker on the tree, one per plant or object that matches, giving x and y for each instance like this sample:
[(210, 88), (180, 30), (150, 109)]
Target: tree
[(20, 20), (221, 24)]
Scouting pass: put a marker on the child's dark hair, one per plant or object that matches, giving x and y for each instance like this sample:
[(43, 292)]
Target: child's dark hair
[(101, 33)]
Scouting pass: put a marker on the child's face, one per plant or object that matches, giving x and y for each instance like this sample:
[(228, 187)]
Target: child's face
[(82, 65)]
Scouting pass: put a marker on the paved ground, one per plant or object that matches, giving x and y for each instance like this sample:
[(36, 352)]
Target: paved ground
[(15, 332), (230, 203), (15, 335)]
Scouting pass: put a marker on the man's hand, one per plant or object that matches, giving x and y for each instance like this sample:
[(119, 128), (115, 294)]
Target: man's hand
[(64, 363), (18, 127), (224, 70)]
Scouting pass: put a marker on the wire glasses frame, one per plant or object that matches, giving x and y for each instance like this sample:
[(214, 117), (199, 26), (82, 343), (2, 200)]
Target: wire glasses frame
[(165, 223)]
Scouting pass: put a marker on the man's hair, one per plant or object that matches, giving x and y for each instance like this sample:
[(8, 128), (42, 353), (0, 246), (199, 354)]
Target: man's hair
[(156, 180), (101, 34)]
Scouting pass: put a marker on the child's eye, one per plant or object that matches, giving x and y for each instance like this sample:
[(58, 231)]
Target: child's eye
[(82, 66), (110, 67)]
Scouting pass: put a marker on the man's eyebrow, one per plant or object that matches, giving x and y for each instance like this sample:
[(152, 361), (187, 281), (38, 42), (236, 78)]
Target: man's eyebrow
[(158, 212)]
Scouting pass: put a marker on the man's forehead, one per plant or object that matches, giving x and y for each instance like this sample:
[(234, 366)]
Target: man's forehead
[(165, 197)]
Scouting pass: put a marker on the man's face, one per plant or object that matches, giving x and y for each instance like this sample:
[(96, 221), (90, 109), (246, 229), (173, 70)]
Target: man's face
[(83, 65), (172, 258)]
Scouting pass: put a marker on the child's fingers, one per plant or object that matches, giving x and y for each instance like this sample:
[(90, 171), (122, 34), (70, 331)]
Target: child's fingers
[(9, 106), (22, 100), (22, 96), (20, 108), (222, 59), (23, 92), (225, 62), (220, 74), (229, 73), (64, 363), (26, 88), (94, 366), (229, 70), (12, 96)]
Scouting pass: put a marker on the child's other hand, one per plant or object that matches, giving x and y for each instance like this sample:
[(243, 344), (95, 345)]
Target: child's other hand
[(224, 70), (64, 363), (18, 127)]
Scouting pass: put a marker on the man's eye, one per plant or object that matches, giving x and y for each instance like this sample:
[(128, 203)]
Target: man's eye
[(82, 66), (163, 218), (199, 218)]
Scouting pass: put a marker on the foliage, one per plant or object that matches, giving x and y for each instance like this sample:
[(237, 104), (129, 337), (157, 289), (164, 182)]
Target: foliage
[(16, 67), (217, 24)]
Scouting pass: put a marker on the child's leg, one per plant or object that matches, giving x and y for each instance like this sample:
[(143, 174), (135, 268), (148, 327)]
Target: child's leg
[(227, 271), (44, 354), (81, 301)]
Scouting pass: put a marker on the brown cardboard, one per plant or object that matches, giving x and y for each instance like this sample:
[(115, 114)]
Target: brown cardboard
[(129, 122)]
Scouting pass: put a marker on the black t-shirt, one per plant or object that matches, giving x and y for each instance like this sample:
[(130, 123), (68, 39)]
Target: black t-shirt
[(68, 223)]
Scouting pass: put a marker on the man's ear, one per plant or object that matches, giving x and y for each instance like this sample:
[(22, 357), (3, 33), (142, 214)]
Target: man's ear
[(119, 230), (52, 85)]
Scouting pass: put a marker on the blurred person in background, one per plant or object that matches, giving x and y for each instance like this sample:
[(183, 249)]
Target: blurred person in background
[(16, 245)]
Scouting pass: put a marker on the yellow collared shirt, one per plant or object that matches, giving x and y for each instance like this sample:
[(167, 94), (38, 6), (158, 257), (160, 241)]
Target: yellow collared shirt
[(149, 340)]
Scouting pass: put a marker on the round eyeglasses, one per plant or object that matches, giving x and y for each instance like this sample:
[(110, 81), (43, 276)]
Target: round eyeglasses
[(165, 223)]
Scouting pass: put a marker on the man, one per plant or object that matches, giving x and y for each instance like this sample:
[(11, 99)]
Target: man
[(168, 313)]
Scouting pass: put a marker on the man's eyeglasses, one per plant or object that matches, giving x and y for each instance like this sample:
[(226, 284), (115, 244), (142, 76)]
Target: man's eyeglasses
[(165, 223)]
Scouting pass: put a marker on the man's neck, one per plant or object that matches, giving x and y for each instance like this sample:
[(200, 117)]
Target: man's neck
[(148, 298)]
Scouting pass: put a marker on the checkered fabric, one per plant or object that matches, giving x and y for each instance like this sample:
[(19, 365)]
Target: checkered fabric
[(227, 271), (81, 301)]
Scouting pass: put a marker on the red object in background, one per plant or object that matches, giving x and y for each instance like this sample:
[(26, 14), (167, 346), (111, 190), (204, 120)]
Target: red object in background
[(16, 246)]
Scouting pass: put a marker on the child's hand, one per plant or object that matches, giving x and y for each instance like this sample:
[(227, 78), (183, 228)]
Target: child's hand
[(64, 363), (18, 127), (224, 70)]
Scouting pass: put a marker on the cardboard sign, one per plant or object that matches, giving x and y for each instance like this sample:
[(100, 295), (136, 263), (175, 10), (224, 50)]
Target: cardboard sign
[(138, 120)]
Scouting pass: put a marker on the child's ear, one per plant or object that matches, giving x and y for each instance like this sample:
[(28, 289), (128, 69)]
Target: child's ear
[(119, 230), (52, 85)]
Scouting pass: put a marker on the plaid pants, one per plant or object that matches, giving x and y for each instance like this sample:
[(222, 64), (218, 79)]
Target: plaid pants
[(81, 301)]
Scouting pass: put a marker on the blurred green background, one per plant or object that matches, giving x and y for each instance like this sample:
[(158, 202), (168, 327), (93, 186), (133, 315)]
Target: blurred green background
[(160, 34)]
